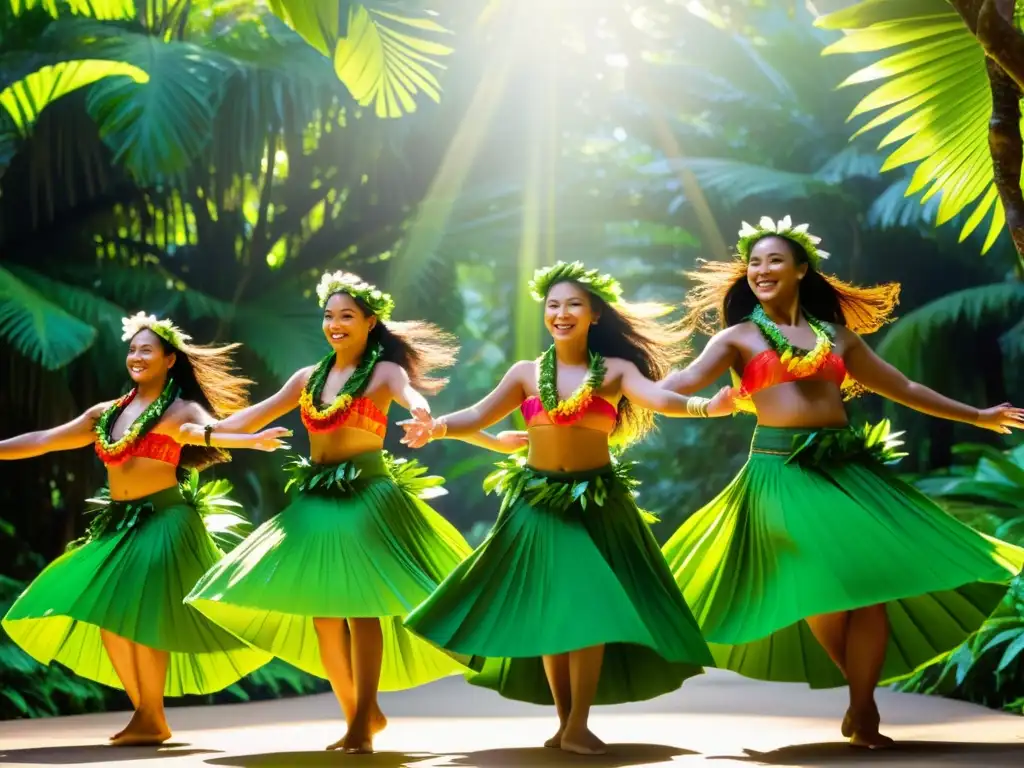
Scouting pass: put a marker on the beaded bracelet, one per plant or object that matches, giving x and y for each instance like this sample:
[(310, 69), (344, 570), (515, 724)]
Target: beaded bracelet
[(697, 406)]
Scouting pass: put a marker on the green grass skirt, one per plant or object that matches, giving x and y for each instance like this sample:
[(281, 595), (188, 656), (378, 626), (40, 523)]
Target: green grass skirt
[(553, 577), (787, 540), (369, 549), (132, 581)]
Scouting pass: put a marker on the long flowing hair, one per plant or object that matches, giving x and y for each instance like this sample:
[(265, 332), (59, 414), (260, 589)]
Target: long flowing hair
[(419, 347), (722, 297), (634, 332), (207, 375)]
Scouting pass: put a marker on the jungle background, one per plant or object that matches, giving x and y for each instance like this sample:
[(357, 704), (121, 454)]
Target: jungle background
[(208, 160)]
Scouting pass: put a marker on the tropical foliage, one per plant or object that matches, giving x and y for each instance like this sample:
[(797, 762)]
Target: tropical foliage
[(207, 160), (988, 495)]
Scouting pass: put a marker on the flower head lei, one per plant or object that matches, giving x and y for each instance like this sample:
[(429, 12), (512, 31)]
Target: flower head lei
[(750, 235), (602, 285), (165, 329), (380, 303)]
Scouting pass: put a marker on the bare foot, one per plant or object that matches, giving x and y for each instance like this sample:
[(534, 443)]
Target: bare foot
[(120, 733), (378, 722), (847, 727), (582, 742), (143, 730), (870, 740), (555, 742), (863, 730), (358, 740)]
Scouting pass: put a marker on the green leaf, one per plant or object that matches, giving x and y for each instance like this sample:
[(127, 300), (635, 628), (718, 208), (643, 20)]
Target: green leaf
[(935, 98), (26, 98), (160, 128), (384, 59), (38, 328), (916, 344), (97, 9), (287, 338)]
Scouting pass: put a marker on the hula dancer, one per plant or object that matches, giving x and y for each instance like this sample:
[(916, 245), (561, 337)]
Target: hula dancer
[(815, 539), (110, 608), (569, 596), (325, 584)]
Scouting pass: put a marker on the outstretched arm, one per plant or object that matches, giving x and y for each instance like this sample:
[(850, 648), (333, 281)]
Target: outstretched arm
[(75, 434), (877, 375), (652, 396), (402, 390), (508, 441), (717, 358), (190, 428), (467, 423), (258, 415)]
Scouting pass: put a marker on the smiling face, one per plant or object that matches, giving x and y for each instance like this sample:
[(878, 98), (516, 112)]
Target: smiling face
[(773, 272), (568, 312), (346, 326), (147, 361)]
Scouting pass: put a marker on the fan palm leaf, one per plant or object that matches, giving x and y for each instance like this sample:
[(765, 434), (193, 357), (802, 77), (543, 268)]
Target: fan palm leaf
[(26, 97), (935, 100), (97, 9), (919, 343), (384, 58), (38, 328), (159, 128)]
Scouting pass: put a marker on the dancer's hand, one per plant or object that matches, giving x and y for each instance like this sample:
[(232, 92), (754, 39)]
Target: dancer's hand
[(513, 439), (421, 430), (1001, 418), (723, 403), (270, 440), (420, 413)]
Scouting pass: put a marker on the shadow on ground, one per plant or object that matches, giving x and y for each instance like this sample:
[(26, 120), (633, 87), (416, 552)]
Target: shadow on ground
[(316, 759), (83, 754), (619, 756), (972, 754)]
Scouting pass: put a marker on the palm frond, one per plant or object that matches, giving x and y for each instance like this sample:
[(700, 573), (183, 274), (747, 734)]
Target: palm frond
[(286, 338), (935, 99), (893, 208), (25, 98), (383, 58), (158, 129), (37, 327), (96, 9), (919, 344), (733, 181)]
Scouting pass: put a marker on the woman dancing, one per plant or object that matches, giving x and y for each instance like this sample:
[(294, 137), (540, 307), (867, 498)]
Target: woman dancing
[(569, 595), (110, 608), (815, 539), (325, 584)]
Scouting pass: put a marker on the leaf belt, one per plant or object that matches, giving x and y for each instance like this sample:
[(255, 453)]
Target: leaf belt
[(348, 477), (561, 491)]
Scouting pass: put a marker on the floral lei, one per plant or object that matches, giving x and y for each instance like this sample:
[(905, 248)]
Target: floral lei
[(800, 362), (317, 418), (119, 451), (572, 409)]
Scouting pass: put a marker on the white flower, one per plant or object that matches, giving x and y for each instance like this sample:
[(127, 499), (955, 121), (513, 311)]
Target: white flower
[(165, 329)]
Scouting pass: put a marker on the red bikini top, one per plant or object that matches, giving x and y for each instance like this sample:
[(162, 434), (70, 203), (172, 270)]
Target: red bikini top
[(152, 445), (362, 413), (535, 415), (766, 370)]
